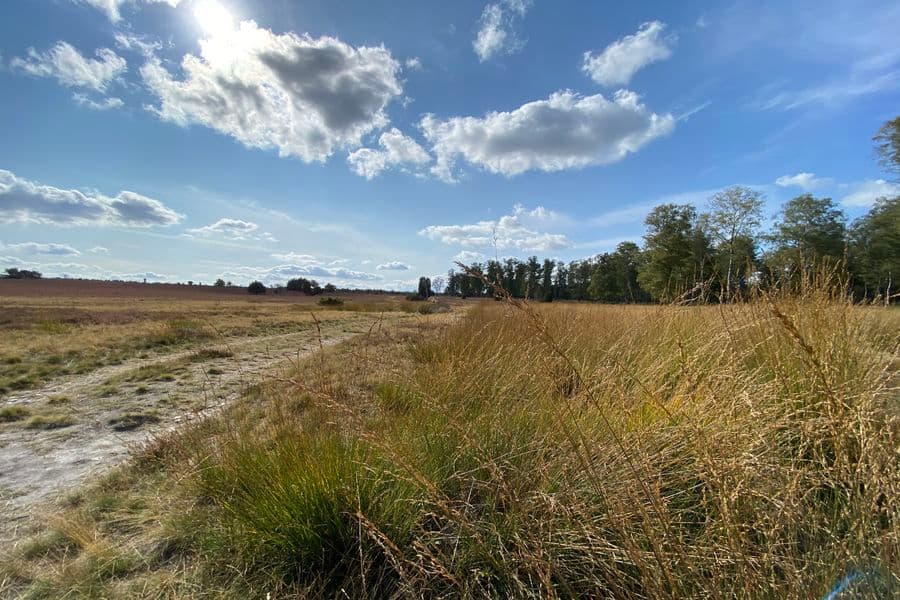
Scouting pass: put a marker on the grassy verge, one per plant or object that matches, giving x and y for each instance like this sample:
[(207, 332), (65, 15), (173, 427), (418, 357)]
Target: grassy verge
[(554, 451)]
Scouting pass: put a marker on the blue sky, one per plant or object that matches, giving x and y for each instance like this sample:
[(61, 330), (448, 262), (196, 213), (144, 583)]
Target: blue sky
[(367, 143)]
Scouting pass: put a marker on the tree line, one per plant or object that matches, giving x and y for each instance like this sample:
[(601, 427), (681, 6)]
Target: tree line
[(712, 255), (717, 254)]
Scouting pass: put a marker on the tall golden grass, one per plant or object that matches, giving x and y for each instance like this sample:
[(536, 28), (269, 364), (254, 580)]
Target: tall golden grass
[(746, 450)]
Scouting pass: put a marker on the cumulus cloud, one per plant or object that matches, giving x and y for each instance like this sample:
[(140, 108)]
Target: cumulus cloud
[(509, 232), (397, 150), (38, 248), (866, 193), (496, 32), (394, 265), (69, 67), (413, 64), (26, 201), (232, 229), (281, 273), (467, 256), (804, 181), (304, 96), (113, 8), (104, 104), (619, 61), (566, 131)]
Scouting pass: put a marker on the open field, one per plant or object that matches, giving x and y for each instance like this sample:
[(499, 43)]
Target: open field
[(84, 379), (520, 451)]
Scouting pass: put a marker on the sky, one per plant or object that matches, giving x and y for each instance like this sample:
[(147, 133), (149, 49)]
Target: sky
[(369, 143)]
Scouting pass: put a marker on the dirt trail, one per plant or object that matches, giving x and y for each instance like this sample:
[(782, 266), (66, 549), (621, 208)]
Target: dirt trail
[(113, 408)]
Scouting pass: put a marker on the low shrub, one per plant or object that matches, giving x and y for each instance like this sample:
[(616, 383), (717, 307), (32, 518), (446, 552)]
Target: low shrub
[(330, 301), (8, 414)]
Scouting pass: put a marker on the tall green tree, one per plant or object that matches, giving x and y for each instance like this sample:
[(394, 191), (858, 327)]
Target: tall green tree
[(875, 249), (811, 230), (733, 218), (547, 280), (676, 252), (615, 275)]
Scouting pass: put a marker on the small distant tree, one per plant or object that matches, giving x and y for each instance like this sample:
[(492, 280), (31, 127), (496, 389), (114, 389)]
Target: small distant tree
[(329, 288), (256, 288), (14, 273), (425, 287), (310, 287), (219, 283)]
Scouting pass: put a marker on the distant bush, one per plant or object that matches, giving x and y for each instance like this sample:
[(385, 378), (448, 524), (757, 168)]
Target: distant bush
[(21, 274), (329, 301), (219, 283), (310, 287), (256, 287), (414, 298)]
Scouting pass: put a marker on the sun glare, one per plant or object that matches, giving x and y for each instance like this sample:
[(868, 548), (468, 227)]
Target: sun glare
[(213, 17)]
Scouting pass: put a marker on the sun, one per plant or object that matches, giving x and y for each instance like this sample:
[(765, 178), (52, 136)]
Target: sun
[(213, 17)]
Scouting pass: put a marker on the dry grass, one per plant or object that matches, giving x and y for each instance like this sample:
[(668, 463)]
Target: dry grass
[(47, 337), (742, 451)]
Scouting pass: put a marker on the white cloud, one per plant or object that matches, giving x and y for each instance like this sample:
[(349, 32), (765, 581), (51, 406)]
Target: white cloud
[(397, 150), (507, 232), (99, 250), (113, 8), (25, 201), (835, 92), (468, 256), (413, 64), (148, 276), (38, 248), (67, 65), (304, 96), (137, 43), (538, 213), (619, 61), (104, 104), (281, 273), (496, 33), (566, 131), (867, 192), (804, 181), (293, 257), (232, 229), (394, 265)]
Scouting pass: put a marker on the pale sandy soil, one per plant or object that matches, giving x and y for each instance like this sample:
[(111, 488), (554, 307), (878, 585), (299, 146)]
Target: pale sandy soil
[(39, 465)]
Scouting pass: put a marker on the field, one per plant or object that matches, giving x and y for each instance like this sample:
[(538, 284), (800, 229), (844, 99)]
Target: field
[(88, 370), (501, 449)]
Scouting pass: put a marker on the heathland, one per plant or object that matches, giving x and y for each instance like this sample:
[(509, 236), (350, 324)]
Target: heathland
[(513, 449)]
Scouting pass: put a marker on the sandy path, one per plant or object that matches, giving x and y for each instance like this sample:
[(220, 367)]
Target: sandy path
[(37, 465)]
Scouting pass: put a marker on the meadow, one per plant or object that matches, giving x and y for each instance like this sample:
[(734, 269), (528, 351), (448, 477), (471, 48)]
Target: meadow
[(90, 369), (515, 449)]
